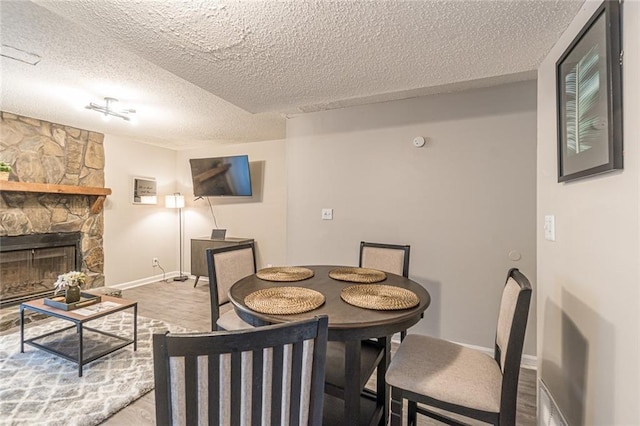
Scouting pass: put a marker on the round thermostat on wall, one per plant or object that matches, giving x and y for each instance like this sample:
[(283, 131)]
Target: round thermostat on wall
[(418, 141), (515, 255)]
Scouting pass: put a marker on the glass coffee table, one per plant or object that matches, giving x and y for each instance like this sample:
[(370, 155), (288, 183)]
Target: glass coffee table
[(66, 344)]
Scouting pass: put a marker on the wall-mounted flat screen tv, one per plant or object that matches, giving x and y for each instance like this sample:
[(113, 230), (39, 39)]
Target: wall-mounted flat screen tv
[(221, 176)]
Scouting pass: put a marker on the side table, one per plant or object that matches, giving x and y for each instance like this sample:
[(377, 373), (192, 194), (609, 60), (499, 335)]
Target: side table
[(200, 245)]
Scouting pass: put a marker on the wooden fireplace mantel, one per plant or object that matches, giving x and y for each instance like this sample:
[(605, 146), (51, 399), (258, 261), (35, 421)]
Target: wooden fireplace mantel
[(48, 188)]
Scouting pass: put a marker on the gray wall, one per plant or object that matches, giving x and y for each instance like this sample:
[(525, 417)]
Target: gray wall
[(462, 202), (134, 233), (589, 278), (153, 229), (261, 217)]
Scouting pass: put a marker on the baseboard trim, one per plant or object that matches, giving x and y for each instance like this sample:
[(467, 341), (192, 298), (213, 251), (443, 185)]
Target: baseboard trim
[(528, 361), (145, 281)]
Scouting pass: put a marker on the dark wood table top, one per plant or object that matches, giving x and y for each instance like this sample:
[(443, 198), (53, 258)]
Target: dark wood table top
[(346, 322)]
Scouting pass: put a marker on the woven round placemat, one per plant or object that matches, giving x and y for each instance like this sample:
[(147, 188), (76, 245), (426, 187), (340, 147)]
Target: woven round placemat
[(284, 273), (284, 300), (358, 275), (379, 297)]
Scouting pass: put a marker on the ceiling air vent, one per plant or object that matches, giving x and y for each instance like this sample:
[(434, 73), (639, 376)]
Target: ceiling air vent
[(19, 55), (548, 412)]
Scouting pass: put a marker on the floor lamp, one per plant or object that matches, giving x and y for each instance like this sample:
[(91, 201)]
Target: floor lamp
[(176, 201)]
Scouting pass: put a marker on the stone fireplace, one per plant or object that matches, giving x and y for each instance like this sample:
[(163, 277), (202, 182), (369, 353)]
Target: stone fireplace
[(30, 264), (48, 153)]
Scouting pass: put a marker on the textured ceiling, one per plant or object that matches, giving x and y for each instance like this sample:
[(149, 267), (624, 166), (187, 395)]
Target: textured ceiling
[(229, 71)]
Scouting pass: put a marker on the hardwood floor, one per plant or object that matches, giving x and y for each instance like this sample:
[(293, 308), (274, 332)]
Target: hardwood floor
[(179, 303)]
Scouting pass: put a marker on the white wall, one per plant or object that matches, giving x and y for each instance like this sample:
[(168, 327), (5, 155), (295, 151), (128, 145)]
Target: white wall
[(134, 234), (589, 279), (462, 202), (261, 217)]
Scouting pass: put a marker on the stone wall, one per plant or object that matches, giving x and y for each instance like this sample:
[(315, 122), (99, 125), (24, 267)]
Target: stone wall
[(43, 152)]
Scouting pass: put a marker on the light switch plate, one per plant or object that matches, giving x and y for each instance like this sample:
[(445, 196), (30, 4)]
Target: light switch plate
[(550, 227), (327, 214)]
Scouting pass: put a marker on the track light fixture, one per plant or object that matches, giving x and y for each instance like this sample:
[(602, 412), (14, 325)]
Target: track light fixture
[(107, 109)]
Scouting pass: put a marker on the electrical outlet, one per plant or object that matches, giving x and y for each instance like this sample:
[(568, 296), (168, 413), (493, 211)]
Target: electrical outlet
[(154, 262), (327, 214)]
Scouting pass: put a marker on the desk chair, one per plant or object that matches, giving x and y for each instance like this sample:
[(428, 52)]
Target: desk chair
[(226, 265), (460, 380), (242, 377)]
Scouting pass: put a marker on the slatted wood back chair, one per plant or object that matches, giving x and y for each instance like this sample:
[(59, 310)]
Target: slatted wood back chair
[(265, 375), (461, 380), (226, 265), (392, 258)]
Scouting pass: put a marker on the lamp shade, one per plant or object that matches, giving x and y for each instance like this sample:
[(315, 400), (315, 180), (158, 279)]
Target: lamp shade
[(175, 201)]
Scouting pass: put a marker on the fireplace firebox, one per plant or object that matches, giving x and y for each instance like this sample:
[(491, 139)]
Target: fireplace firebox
[(30, 264)]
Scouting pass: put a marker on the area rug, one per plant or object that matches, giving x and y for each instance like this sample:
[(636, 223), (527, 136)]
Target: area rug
[(38, 388)]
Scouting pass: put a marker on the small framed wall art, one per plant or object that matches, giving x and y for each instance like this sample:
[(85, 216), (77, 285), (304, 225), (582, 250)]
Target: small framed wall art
[(589, 98), (144, 190)]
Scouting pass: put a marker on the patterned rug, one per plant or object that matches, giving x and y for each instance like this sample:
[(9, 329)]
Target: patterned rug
[(38, 388)]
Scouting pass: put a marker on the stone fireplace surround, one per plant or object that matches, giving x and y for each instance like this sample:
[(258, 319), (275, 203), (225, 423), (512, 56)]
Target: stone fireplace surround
[(44, 152), (30, 264)]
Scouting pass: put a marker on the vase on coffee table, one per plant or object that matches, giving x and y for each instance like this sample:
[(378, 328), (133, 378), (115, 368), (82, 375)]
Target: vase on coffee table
[(70, 283), (72, 294)]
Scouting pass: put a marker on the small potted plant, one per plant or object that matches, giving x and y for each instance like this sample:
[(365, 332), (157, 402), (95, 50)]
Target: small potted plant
[(70, 283), (5, 169)]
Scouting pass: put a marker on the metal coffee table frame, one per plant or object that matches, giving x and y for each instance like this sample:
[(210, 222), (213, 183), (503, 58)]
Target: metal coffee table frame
[(79, 323)]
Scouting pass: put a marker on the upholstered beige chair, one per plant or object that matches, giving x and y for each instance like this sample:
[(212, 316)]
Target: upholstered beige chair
[(227, 265), (385, 257), (392, 258), (264, 375), (451, 377)]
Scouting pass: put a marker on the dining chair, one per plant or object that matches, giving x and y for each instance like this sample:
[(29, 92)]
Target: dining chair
[(226, 265), (451, 377), (374, 353), (264, 375), (392, 258)]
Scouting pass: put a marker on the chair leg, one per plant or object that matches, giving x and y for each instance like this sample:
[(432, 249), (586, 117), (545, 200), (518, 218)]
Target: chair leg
[(412, 413), (196, 283), (396, 407), (382, 388), (403, 334)]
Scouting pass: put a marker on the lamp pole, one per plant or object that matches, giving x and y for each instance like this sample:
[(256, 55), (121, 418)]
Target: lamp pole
[(180, 277), (176, 201)]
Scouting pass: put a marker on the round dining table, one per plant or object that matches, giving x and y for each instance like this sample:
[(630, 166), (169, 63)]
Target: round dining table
[(347, 323)]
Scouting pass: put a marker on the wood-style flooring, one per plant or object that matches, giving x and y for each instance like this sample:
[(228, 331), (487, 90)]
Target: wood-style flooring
[(179, 303)]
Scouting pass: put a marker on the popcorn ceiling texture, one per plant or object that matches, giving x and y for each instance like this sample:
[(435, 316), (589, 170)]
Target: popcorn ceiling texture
[(288, 57)]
